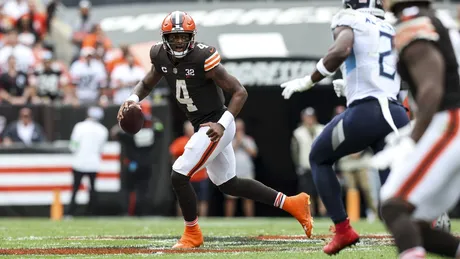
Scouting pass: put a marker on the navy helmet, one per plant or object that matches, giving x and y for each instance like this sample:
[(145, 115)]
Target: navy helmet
[(374, 7)]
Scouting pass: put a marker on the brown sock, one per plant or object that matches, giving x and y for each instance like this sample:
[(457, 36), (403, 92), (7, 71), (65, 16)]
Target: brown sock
[(253, 190), (186, 196), (397, 218), (437, 241)]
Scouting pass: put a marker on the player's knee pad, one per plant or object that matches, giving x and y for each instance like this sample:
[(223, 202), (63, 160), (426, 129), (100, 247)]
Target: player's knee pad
[(230, 186), (393, 208), (178, 180)]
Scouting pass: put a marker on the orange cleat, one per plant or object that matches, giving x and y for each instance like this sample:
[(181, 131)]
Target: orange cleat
[(191, 238), (299, 207)]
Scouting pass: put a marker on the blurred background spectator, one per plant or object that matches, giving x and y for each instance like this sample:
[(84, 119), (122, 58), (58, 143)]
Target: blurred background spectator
[(82, 26), (97, 40), (16, 8), (14, 85), (199, 180), (24, 130), (302, 140), (124, 77), (25, 58), (88, 76), (6, 24), (27, 34), (245, 151), (136, 167), (114, 58), (86, 143), (49, 81)]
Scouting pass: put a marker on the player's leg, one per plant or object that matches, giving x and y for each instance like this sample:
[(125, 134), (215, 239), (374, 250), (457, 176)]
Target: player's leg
[(77, 175), (92, 193), (333, 143), (445, 198), (423, 188), (143, 175), (358, 127), (221, 171), (439, 242), (187, 201), (199, 151), (415, 236)]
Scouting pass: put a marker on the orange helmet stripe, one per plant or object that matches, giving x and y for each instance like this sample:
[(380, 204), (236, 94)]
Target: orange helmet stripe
[(178, 21)]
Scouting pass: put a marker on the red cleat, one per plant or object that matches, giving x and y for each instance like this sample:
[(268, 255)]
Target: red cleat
[(345, 236)]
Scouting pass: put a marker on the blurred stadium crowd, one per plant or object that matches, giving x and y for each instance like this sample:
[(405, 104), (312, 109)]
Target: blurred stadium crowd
[(31, 74)]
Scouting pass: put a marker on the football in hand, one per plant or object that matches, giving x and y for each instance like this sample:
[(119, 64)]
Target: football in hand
[(133, 119)]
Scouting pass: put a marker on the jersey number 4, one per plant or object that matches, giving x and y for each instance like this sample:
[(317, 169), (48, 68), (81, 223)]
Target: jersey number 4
[(183, 97), (386, 42)]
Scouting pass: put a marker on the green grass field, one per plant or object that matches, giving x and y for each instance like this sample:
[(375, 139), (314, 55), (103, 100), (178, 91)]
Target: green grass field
[(152, 237)]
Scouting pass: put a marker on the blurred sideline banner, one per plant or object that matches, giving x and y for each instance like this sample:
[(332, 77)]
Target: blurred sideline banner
[(29, 177), (271, 72)]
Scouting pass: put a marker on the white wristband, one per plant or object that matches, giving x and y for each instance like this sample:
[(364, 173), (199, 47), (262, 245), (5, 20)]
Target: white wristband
[(322, 69), (134, 98), (226, 119)]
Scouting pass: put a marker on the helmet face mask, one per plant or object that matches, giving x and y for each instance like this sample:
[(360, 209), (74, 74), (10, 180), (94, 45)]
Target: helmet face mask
[(178, 44), (178, 34)]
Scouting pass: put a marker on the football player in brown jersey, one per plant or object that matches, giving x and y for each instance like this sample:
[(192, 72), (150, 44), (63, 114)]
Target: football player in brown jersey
[(194, 72), (424, 180)]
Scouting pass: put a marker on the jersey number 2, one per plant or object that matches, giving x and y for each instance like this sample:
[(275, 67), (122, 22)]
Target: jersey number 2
[(181, 90), (386, 38)]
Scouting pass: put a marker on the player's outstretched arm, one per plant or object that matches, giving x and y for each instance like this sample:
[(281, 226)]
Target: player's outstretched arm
[(337, 54), (231, 85), (427, 71)]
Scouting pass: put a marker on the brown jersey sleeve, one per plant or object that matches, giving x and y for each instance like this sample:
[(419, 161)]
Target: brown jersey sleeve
[(411, 29), (211, 56), (154, 59)]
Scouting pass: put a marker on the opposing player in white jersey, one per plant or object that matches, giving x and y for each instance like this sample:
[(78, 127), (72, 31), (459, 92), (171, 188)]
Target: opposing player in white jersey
[(363, 40)]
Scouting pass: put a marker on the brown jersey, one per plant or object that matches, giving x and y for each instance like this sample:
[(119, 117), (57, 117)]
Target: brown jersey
[(417, 24), (199, 97)]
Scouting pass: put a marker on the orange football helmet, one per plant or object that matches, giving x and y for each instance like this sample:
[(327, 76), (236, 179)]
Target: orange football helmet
[(178, 33)]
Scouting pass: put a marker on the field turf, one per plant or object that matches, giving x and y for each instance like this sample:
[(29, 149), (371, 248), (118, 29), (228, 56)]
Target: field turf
[(152, 237)]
